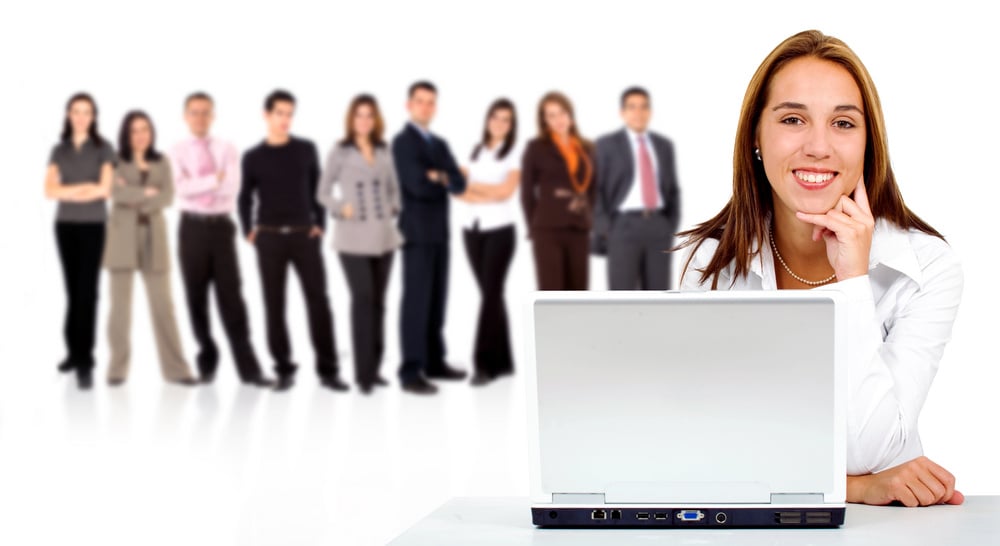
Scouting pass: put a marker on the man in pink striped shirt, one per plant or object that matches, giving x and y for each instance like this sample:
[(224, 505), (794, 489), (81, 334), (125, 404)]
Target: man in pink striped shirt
[(207, 181)]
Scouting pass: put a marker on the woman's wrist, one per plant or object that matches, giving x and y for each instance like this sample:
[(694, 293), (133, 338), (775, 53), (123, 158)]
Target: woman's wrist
[(856, 486)]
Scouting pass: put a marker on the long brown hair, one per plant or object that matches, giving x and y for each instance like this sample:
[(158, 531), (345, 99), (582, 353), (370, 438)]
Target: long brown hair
[(508, 141), (357, 102), (743, 221), (92, 134), (125, 150), (564, 103)]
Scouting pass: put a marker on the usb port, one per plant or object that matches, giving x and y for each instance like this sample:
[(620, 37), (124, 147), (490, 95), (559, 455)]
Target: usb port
[(660, 515), (642, 515)]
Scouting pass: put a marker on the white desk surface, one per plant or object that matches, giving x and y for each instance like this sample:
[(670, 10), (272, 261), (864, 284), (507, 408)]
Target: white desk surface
[(507, 521)]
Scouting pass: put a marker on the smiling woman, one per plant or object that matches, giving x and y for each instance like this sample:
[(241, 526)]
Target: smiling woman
[(815, 201), (79, 177)]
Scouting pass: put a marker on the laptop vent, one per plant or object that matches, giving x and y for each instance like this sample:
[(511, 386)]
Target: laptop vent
[(803, 518)]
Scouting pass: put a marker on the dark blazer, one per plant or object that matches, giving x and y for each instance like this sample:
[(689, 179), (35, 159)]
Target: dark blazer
[(543, 172), (615, 174), (129, 201), (424, 214)]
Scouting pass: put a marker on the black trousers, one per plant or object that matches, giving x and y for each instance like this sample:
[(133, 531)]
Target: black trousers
[(275, 253), (81, 247), (562, 258), (207, 249), (490, 253), (638, 252), (367, 278), (425, 294)]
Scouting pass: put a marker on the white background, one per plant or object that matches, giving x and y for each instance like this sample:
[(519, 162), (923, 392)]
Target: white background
[(229, 465)]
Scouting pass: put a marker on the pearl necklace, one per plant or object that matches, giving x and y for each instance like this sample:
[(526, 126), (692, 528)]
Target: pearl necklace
[(770, 232)]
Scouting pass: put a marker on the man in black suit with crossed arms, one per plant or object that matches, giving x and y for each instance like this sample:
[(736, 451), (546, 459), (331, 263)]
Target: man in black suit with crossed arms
[(427, 174)]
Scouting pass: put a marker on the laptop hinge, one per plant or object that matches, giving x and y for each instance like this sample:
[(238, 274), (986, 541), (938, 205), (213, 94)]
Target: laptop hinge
[(578, 498), (797, 498)]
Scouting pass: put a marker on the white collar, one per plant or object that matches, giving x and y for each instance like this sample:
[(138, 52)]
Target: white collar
[(890, 247), (634, 136), (425, 132)]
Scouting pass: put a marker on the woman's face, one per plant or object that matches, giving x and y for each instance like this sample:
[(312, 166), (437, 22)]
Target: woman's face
[(499, 124), (140, 135), (811, 135), (81, 115), (557, 118), (364, 121)]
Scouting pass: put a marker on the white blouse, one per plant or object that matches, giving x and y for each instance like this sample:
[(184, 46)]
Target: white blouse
[(900, 318), (487, 168)]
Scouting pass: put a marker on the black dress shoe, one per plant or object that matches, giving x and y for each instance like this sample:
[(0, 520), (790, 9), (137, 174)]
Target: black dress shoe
[(419, 386), (380, 381), (184, 381), (262, 382), (446, 372), (480, 379), (116, 381), (66, 366), (365, 388), (84, 379), (284, 383), (207, 378), (334, 383)]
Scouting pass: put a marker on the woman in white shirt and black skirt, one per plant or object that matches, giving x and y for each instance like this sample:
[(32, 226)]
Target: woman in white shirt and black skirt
[(815, 205), (494, 174)]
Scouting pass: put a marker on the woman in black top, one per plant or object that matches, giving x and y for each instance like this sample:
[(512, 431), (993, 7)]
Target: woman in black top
[(79, 178)]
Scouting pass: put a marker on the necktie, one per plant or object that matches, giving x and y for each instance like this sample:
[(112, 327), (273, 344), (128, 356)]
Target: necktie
[(206, 162), (646, 176), (206, 167)]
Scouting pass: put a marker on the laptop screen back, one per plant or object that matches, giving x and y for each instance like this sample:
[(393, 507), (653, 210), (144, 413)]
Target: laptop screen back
[(678, 397)]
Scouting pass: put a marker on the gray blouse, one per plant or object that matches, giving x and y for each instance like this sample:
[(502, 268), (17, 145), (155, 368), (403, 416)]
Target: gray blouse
[(78, 166), (372, 190)]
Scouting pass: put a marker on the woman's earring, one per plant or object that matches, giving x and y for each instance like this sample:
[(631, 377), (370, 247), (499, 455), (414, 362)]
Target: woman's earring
[(756, 152)]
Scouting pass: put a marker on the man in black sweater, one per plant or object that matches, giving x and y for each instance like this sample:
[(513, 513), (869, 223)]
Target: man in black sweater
[(280, 174), (427, 174)]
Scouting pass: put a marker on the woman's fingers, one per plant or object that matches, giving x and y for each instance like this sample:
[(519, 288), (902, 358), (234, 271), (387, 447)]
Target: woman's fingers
[(861, 196), (855, 211), (937, 489), (904, 495), (833, 220), (919, 482), (956, 498), (947, 479), (924, 496)]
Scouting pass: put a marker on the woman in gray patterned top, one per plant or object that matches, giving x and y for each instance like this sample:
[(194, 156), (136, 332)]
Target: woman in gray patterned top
[(79, 176), (359, 189)]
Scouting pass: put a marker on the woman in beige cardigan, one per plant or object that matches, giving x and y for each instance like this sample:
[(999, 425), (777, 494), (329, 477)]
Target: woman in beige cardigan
[(137, 241)]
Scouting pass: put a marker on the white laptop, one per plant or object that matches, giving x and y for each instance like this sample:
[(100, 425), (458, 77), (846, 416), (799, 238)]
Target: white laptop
[(687, 409)]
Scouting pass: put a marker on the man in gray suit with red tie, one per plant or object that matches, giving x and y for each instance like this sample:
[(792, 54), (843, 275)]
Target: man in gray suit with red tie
[(638, 200)]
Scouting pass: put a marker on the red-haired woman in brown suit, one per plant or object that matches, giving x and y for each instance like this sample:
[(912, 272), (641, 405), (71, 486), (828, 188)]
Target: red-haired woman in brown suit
[(557, 194)]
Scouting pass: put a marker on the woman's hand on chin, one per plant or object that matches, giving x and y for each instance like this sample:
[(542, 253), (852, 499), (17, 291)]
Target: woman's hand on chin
[(847, 229), (920, 482)]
